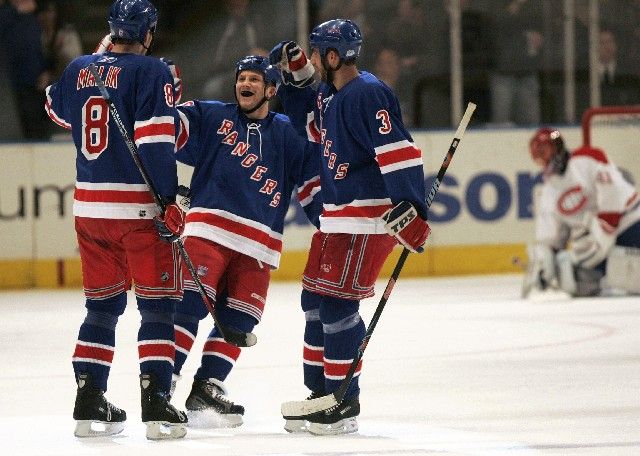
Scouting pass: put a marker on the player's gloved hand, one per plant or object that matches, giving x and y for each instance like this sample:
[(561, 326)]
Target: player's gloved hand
[(404, 223), (592, 246), (177, 78), (296, 69), (170, 225), (105, 45)]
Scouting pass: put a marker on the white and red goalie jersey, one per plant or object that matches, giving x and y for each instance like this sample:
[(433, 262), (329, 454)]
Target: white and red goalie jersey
[(592, 190)]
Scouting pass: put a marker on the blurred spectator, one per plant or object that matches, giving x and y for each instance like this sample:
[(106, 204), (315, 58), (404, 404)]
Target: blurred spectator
[(239, 38), (418, 31), (477, 51), (515, 85), (388, 69), (618, 84), (61, 40), (21, 39)]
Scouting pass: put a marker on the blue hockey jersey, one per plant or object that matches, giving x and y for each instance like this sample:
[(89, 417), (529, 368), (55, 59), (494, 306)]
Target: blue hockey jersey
[(245, 171), (108, 183), (369, 160)]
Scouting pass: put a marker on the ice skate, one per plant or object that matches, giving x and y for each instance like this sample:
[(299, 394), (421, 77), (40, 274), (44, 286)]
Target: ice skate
[(163, 420), (208, 406), (341, 419), (95, 416), (296, 425)]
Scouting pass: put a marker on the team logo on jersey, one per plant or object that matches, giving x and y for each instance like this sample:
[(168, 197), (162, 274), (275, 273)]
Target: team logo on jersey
[(572, 201)]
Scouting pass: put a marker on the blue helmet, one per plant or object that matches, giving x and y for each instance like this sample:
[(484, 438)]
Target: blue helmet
[(342, 35), (132, 19), (260, 65)]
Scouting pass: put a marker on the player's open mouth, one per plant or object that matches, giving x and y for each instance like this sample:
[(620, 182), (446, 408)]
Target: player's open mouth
[(246, 93)]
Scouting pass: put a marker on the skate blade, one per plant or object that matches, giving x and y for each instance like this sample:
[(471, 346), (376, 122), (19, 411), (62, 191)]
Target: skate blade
[(90, 428), (346, 426), (296, 426), (161, 430), (210, 419)]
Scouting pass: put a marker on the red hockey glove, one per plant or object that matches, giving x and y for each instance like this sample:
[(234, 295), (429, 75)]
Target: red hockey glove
[(296, 69), (171, 225), (177, 78), (404, 223), (105, 45)]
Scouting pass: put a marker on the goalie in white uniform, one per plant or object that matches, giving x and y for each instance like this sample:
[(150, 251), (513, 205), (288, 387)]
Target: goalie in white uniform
[(587, 222)]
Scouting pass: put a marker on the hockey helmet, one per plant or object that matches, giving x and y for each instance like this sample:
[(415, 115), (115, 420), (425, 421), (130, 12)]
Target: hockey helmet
[(343, 35), (132, 19), (261, 65), (547, 149)]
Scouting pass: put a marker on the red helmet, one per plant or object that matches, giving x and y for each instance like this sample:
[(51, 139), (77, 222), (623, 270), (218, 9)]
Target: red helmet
[(545, 145)]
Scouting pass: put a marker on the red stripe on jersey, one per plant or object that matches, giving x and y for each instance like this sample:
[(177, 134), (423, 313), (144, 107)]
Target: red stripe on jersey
[(358, 211), (339, 370), (166, 350), (154, 130), (596, 154), (184, 340), (314, 132), (218, 346), (237, 228), (305, 191), (101, 354), (112, 196), (183, 136), (398, 155), (610, 219), (314, 355)]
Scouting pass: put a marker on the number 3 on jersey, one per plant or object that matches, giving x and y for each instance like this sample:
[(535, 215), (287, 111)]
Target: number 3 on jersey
[(383, 116), (95, 127)]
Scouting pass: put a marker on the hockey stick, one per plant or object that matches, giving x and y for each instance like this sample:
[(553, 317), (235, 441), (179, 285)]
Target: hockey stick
[(299, 409), (237, 338)]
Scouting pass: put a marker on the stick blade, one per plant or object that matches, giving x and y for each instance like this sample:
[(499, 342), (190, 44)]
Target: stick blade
[(239, 339), (308, 406)]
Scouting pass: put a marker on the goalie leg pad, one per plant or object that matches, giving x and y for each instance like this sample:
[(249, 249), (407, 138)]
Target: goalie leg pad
[(623, 269)]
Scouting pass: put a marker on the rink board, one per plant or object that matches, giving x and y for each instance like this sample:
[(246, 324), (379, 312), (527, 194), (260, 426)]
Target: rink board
[(481, 218)]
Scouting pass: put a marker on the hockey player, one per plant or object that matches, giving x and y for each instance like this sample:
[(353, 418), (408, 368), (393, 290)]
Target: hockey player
[(372, 178), (113, 212), (247, 161), (588, 221)]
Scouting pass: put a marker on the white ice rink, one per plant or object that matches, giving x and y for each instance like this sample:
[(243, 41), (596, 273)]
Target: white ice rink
[(456, 366)]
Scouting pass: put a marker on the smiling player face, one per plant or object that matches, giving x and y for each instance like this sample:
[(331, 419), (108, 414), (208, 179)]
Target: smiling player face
[(250, 88)]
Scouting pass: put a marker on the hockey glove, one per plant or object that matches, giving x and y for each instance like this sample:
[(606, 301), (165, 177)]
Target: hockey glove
[(105, 45), (296, 69), (592, 246), (404, 223), (177, 79), (171, 225)]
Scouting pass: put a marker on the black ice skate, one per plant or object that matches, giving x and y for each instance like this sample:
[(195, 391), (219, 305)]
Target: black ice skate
[(163, 420), (95, 416), (340, 419), (208, 406), (295, 424)]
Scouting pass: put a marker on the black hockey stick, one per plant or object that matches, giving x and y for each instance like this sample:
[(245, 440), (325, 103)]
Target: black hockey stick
[(300, 409), (237, 338)]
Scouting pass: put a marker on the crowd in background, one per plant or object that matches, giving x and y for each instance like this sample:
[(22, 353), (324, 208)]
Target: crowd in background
[(512, 52)]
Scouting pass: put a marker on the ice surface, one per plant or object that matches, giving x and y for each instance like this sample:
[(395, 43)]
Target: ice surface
[(456, 366)]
